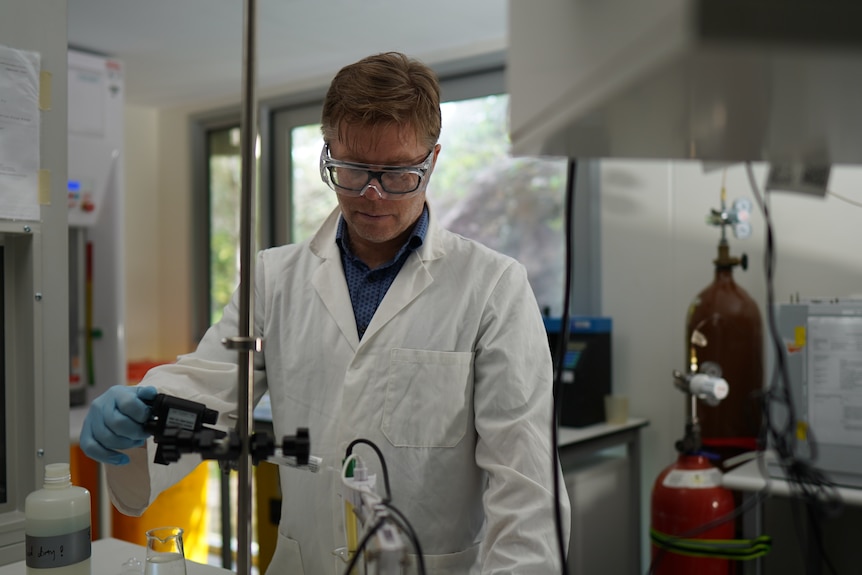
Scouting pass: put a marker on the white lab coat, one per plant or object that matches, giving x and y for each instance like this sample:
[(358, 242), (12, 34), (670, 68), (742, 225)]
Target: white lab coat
[(452, 380)]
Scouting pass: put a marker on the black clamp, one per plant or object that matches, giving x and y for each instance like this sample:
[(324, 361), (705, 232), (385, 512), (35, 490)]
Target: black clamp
[(179, 426)]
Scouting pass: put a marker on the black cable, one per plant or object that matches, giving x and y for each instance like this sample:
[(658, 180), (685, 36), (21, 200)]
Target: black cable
[(382, 463), (407, 528), (818, 534), (560, 356), (809, 484), (404, 523)]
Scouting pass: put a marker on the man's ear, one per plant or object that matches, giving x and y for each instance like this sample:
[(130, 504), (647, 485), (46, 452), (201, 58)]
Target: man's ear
[(436, 153)]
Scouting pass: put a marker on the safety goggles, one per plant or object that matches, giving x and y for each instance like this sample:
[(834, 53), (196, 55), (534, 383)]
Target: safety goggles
[(352, 178)]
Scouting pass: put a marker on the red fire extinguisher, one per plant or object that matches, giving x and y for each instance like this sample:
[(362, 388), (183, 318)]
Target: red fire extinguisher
[(690, 508), (692, 525), (687, 499)]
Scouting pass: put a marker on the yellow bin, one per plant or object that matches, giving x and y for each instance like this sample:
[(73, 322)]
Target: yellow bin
[(183, 505), (268, 504)]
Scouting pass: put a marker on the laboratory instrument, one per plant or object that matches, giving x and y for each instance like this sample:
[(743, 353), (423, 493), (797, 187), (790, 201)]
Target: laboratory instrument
[(585, 378), (382, 527), (822, 340)]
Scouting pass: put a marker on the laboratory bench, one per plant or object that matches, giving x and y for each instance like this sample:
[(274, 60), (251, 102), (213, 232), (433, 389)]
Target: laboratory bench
[(749, 477), (109, 555)]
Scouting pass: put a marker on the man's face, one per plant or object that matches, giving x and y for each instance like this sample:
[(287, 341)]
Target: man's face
[(378, 227)]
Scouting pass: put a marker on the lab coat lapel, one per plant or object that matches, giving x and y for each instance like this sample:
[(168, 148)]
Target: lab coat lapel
[(329, 281), (409, 283), (412, 280)]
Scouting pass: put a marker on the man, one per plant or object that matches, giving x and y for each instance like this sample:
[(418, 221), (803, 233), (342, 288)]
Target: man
[(385, 327)]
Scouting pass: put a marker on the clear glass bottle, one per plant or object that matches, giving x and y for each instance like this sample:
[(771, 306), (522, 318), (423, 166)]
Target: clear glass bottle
[(57, 526)]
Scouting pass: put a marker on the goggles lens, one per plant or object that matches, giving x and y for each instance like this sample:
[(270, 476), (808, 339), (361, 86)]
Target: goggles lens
[(350, 178)]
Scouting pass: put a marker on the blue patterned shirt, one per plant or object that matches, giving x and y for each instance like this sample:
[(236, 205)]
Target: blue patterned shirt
[(367, 287)]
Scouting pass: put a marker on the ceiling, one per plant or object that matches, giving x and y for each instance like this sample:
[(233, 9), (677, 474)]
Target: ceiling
[(182, 52)]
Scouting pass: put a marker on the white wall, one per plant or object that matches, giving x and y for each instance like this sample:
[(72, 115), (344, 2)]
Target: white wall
[(142, 253), (657, 254), (174, 229)]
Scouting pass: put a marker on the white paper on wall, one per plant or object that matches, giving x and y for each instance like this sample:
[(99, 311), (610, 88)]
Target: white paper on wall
[(19, 134)]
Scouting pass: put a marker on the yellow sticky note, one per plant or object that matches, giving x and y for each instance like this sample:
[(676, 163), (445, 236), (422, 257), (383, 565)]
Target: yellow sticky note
[(801, 430), (45, 89), (45, 187), (799, 335)]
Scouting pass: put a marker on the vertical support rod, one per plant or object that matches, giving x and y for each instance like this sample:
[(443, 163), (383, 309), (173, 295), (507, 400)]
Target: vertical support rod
[(226, 529), (245, 372)]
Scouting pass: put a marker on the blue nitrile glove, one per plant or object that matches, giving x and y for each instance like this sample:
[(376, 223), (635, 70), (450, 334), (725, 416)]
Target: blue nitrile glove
[(115, 422)]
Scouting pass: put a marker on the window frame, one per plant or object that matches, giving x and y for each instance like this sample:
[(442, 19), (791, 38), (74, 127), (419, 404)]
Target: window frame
[(199, 230)]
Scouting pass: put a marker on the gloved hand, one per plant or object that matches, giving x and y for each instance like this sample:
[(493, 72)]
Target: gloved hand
[(114, 422)]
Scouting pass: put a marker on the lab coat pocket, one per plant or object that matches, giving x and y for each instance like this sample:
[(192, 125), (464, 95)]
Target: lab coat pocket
[(460, 563), (428, 397), (287, 557)]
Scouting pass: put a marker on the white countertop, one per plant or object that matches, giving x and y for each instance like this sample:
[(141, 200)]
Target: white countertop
[(109, 556), (751, 477), (569, 435)]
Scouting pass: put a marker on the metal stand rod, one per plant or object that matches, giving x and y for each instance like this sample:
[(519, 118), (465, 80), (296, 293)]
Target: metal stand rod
[(226, 531), (245, 398)]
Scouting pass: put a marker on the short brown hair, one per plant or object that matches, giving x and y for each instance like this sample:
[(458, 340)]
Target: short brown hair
[(387, 88)]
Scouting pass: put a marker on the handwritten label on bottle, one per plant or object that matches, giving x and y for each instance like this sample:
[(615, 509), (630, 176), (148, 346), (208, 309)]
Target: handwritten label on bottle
[(58, 550)]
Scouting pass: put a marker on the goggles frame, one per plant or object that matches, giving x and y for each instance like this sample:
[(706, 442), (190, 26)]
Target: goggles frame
[(373, 172)]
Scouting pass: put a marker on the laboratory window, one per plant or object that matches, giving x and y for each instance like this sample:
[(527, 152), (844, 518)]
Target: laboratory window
[(224, 203)]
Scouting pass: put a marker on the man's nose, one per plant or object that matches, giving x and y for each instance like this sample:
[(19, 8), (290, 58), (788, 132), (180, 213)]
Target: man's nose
[(376, 187)]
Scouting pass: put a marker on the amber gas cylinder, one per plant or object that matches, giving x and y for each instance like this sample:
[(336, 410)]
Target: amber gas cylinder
[(724, 326)]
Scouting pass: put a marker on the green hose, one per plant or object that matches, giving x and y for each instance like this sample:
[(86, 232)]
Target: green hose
[(733, 549)]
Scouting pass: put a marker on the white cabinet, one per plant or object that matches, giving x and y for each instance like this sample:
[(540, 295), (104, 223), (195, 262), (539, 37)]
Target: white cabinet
[(605, 493), (601, 516)]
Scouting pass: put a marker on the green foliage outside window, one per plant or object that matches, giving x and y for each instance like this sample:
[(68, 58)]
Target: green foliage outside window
[(224, 230)]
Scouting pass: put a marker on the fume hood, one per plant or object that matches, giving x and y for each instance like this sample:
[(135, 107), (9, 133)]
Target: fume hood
[(722, 80)]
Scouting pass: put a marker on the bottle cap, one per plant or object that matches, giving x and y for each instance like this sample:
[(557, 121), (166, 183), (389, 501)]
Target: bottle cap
[(57, 473)]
